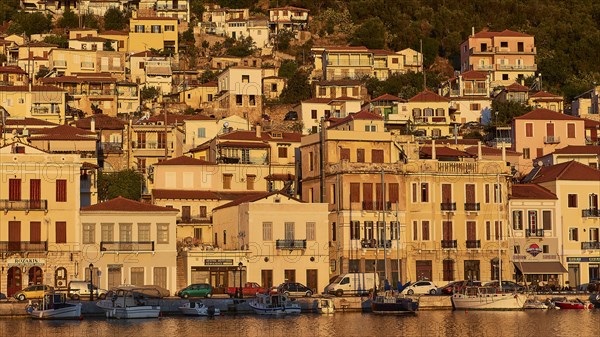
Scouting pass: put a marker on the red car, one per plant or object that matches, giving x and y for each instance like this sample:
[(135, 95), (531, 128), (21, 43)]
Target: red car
[(250, 289), (457, 286)]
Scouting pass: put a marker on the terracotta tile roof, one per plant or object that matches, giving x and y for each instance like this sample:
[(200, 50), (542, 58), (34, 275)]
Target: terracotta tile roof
[(323, 100), (41, 44), (265, 136), (36, 88), (442, 151), (91, 39), (531, 191), (382, 52), (154, 18), (102, 121), (428, 96), (252, 198), (184, 160), (361, 115), (506, 33), (145, 53), (579, 149), (280, 177), (516, 87), (474, 75), (591, 124), (88, 165), (79, 79), (196, 194), (545, 114), (344, 98), (62, 132), (544, 94), (12, 70), (451, 141), (290, 8), (490, 151), (209, 84), (346, 82), (345, 48), (571, 170), (171, 119), (249, 145), (114, 32), (388, 97), (120, 204), (27, 121)]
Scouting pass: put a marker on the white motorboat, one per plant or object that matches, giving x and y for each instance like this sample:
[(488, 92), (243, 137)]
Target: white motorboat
[(55, 306), (132, 302), (534, 303), (325, 306), (274, 304), (487, 298), (199, 309)]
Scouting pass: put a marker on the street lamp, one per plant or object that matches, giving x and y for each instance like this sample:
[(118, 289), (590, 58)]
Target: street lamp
[(240, 268), (91, 266)]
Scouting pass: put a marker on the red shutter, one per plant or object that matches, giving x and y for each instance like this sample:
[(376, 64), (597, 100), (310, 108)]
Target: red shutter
[(447, 228), (368, 196), (471, 230), (425, 230), (571, 130), (354, 192), (376, 156), (393, 198), (61, 232), (35, 231), (14, 189), (529, 130), (470, 193), (61, 190), (345, 154)]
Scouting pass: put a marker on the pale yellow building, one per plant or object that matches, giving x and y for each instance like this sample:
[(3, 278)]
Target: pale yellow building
[(431, 115), (200, 97), (587, 105), (546, 100), (240, 92), (129, 242), (43, 102), (200, 129), (470, 93), (120, 37), (70, 62), (160, 33)]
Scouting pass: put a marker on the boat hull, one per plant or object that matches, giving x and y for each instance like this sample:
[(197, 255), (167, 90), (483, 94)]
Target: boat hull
[(287, 310), (489, 302), (72, 311), (573, 305), (199, 310), (133, 312)]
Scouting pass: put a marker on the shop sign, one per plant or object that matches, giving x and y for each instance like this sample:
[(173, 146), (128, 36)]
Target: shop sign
[(27, 262), (218, 262), (583, 259), (534, 249)]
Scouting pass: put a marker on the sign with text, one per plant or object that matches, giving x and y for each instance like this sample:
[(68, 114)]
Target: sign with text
[(583, 259), (27, 262), (218, 262)]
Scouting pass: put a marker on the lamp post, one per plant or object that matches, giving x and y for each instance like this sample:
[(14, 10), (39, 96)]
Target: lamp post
[(240, 268), (91, 266)]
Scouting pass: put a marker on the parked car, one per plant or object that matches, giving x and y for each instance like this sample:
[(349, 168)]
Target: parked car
[(507, 286), (421, 287), (591, 287), (196, 290), (352, 284), (294, 289), (33, 292), (457, 286), (248, 290), (79, 289)]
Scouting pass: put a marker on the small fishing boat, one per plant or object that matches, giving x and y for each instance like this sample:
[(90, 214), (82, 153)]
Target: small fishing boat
[(572, 304), (54, 306), (392, 303), (325, 306), (132, 302), (274, 304), (199, 309), (595, 299), (534, 303)]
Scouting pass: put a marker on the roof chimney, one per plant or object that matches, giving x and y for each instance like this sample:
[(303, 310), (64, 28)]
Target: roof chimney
[(258, 130), (93, 124)]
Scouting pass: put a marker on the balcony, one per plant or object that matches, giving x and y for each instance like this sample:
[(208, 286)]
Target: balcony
[(448, 206), (290, 244), (473, 243), (487, 50), (126, 246), (534, 233), (364, 243), (551, 140), (23, 205), (171, 8), (483, 67), (590, 213), (376, 205), (449, 244), (472, 206), (23, 246), (516, 67), (477, 92), (44, 110), (590, 245)]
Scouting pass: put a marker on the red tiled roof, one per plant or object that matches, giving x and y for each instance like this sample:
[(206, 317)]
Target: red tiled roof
[(531, 191), (12, 70), (344, 98), (184, 160), (443, 151), (27, 121), (571, 170), (428, 96), (209, 84), (361, 115), (154, 18), (591, 124), (388, 97), (265, 136), (451, 141), (172, 119), (120, 204), (346, 82), (345, 48), (545, 114), (504, 33), (114, 32), (196, 194), (544, 94), (290, 8), (490, 151), (323, 100), (79, 79), (252, 198), (516, 87), (249, 145), (474, 75), (62, 132), (579, 149), (145, 53), (280, 177), (102, 121), (36, 88)]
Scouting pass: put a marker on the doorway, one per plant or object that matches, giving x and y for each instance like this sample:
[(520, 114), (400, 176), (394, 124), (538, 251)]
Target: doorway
[(13, 281), (472, 271), (424, 271), (312, 280), (36, 276), (574, 275)]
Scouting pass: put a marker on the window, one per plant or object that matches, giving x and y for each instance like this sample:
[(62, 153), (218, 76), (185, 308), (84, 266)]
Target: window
[(139, 28), (528, 129), (488, 230), (227, 181), (540, 152), (425, 229), (333, 194), (526, 154), (245, 78), (532, 220), (35, 232), (354, 230), (310, 162), (570, 130), (545, 249), (376, 156), (394, 60), (88, 233), (14, 189), (394, 230), (155, 28), (162, 233), (267, 231), (368, 235), (202, 211), (415, 230), (345, 154), (333, 232), (282, 152), (424, 192), (250, 179), (414, 193), (252, 100), (370, 128), (498, 229), (198, 233), (572, 200), (517, 220), (125, 232), (238, 100), (504, 44), (354, 192), (448, 266), (61, 190), (201, 132), (137, 276), (107, 232), (144, 232), (274, 87), (517, 249), (360, 155), (573, 234), (547, 220), (310, 231), (61, 232), (169, 28), (313, 114), (505, 77), (289, 230)]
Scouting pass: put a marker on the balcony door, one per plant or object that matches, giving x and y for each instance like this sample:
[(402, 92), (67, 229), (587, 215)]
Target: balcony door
[(550, 130), (14, 236), (35, 193), (447, 195)]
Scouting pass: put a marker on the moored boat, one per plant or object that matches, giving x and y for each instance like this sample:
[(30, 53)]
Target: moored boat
[(534, 303), (487, 298), (392, 303), (132, 302), (325, 306), (595, 300), (572, 304), (54, 306), (274, 304), (199, 309)]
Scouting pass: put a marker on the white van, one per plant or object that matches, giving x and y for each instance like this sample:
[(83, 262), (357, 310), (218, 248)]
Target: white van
[(352, 284)]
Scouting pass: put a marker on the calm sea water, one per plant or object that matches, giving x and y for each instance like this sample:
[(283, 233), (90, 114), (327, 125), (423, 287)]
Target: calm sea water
[(578, 323)]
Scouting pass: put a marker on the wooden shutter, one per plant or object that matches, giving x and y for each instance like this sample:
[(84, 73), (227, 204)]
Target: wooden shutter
[(345, 154), (540, 152), (547, 220), (471, 231), (35, 231), (448, 270), (394, 193), (360, 155), (447, 228), (376, 156), (380, 196), (571, 130), (354, 192), (425, 235), (368, 196), (61, 232), (160, 276), (61, 190), (14, 189), (470, 193), (446, 193), (529, 130), (550, 129)]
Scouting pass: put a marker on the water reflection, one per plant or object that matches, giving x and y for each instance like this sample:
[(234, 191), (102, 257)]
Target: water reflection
[(426, 323)]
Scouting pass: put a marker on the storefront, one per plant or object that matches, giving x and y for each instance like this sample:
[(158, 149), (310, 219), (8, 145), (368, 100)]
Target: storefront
[(23, 272), (547, 273), (219, 269), (583, 270)]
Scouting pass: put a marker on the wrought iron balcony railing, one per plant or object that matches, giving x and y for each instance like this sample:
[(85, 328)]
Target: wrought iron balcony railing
[(290, 244), (472, 206), (23, 246), (473, 243), (449, 244)]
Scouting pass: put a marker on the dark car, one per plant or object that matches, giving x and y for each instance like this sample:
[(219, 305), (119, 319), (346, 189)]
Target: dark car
[(507, 286), (457, 286), (294, 289)]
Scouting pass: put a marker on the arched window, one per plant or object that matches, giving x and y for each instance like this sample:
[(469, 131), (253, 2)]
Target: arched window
[(36, 276)]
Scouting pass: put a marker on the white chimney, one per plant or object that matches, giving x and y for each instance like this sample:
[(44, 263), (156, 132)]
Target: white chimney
[(93, 124), (479, 153), (433, 154), (472, 30), (503, 152), (258, 130)]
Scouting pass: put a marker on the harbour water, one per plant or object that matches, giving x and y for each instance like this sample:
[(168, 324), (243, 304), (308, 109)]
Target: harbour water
[(580, 323)]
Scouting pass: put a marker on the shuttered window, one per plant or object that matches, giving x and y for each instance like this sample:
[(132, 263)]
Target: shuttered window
[(35, 232), (425, 234), (345, 154), (448, 270), (137, 276), (393, 193), (61, 232), (360, 155), (376, 156), (61, 190), (528, 130), (354, 192), (14, 189)]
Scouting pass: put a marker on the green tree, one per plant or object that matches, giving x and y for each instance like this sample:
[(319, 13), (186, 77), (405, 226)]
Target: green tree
[(126, 183), (8, 9), (89, 20), (149, 93), (207, 76), (283, 39), (297, 89), (68, 20), (60, 40), (240, 48), (34, 23), (402, 85), (370, 34), (287, 69), (197, 9), (42, 72), (504, 112), (114, 19)]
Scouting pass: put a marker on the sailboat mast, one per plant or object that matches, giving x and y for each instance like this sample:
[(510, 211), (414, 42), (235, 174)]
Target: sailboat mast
[(499, 229), (383, 208)]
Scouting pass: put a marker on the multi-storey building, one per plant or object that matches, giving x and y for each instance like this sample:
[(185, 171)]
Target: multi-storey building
[(201, 129), (587, 105), (312, 110), (42, 102), (160, 33), (179, 9), (507, 55), (431, 115), (470, 93), (546, 100), (585, 154), (240, 92), (70, 62), (112, 135), (13, 76), (39, 227), (288, 18)]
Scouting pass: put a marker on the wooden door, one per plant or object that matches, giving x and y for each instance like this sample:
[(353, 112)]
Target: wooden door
[(550, 129), (14, 236), (36, 276), (185, 213), (290, 275), (35, 193), (14, 281), (424, 271), (312, 279), (471, 231), (14, 189), (266, 277), (470, 193), (447, 228), (35, 231), (446, 193), (368, 196), (114, 277)]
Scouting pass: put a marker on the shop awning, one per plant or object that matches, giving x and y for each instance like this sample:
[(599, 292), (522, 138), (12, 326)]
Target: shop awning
[(540, 267)]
